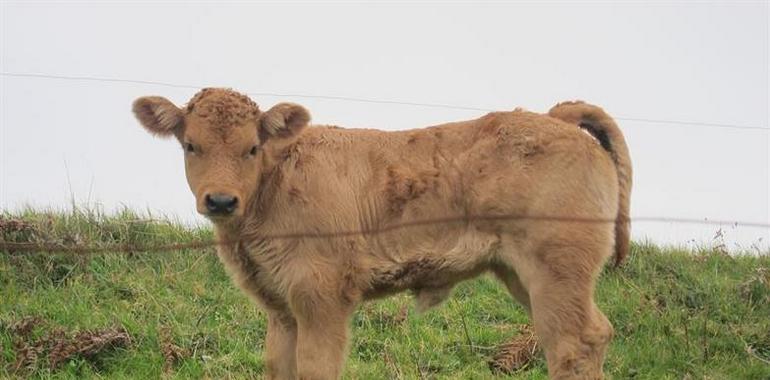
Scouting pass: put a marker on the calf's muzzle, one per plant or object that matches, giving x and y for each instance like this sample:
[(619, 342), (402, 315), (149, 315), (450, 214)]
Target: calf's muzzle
[(221, 204)]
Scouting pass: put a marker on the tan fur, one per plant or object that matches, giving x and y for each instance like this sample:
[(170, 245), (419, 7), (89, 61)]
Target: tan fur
[(318, 180), (222, 107)]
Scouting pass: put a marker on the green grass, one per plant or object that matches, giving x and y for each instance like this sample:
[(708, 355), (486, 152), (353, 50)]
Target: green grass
[(677, 314)]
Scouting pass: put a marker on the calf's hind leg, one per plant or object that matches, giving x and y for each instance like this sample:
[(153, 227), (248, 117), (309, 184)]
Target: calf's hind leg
[(574, 332), (512, 282)]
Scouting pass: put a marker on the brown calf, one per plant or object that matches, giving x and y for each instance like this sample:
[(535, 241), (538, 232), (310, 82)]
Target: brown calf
[(528, 197)]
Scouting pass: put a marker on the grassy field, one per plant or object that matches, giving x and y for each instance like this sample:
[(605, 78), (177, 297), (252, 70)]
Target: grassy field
[(678, 315)]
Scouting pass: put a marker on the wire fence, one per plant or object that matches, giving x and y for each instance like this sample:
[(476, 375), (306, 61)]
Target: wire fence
[(31, 247), (360, 100)]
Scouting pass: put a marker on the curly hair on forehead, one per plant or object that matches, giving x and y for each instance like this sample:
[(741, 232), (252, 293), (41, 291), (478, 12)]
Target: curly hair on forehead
[(223, 106)]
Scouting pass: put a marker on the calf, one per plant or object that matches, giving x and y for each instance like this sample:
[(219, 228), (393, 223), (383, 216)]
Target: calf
[(313, 220)]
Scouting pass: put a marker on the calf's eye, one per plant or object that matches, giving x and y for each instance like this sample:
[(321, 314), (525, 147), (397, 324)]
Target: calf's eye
[(189, 148), (253, 150)]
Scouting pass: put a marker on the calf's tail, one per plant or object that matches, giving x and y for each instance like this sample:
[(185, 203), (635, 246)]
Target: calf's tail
[(600, 125)]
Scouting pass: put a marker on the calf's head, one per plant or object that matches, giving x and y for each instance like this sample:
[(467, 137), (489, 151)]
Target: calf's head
[(223, 136)]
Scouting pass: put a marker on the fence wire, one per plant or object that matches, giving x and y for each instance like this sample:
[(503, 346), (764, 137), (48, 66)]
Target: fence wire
[(36, 247), (359, 99)]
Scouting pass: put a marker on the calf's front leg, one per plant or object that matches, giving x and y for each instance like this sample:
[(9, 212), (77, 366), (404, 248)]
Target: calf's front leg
[(281, 346), (322, 336)]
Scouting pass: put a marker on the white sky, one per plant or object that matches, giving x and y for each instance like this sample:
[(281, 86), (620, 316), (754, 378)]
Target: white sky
[(703, 62)]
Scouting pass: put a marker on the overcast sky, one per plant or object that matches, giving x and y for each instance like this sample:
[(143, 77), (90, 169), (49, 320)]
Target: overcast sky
[(703, 63)]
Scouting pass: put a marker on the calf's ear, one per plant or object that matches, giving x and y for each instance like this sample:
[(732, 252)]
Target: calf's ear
[(158, 115), (283, 120)]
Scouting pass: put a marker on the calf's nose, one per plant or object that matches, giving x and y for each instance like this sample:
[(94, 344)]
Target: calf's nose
[(221, 204)]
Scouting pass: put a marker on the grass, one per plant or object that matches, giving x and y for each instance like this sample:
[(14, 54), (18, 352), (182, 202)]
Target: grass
[(677, 314)]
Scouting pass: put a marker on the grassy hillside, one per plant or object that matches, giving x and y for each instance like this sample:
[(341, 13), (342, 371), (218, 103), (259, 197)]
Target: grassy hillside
[(175, 314)]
